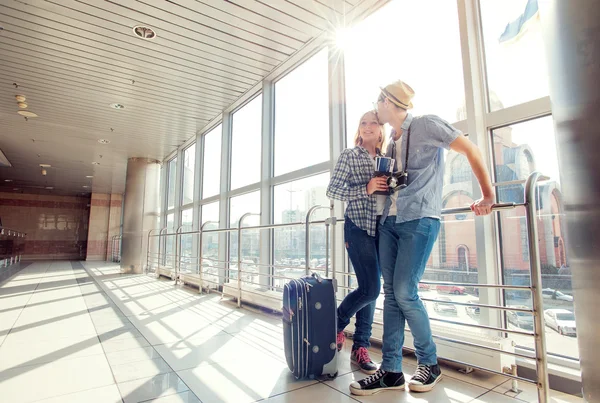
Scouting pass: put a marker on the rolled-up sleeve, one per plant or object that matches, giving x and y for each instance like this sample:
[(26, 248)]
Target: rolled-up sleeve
[(439, 132)]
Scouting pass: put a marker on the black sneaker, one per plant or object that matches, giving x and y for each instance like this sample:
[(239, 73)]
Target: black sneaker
[(360, 357), (378, 382), (425, 378)]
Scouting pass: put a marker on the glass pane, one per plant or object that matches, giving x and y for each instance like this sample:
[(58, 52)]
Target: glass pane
[(238, 206), (211, 177), (210, 244), (189, 170), (171, 179), (430, 62), (292, 201), (520, 149), (246, 144), (515, 58), (305, 89), (186, 261), (170, 241)]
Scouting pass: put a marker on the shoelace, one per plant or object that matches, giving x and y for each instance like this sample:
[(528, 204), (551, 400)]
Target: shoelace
[(362, 355), (375, 377), (422, 373)]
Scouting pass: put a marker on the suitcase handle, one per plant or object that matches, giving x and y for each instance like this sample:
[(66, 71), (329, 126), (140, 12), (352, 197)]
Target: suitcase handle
[(318, 277)]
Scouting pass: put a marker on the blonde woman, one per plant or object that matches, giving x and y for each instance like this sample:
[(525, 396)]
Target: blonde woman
[(353, 182)]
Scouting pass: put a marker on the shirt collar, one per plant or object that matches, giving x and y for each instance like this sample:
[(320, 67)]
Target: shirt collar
[(407, 122)]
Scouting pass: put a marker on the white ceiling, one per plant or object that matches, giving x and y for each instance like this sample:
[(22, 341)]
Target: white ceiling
[(73, 58)]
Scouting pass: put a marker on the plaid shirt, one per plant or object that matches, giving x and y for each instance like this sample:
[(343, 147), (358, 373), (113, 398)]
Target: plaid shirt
[(348, 183)]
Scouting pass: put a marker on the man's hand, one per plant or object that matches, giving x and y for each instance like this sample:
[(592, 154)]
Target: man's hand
[(483, 206), (377, 183)]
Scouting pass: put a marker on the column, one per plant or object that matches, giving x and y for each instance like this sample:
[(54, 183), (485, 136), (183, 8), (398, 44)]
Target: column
[(140, 212), (573, 49)]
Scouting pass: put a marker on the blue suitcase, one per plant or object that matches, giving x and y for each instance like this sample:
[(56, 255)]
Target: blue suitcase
[(309, 327)]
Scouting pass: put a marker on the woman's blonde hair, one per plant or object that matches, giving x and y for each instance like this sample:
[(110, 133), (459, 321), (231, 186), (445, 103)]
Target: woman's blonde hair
[(380, 144)]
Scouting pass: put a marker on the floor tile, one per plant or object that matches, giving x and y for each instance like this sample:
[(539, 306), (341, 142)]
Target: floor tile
[(528, 393), (132, 355), (124, 343), (313, 393), (140, 369), (14, 353), (106, 394), (144, 389), (240, 381), (184, 397), (54, 379)]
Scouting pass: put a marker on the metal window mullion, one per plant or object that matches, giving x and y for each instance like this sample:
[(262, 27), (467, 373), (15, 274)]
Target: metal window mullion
[(225, 185), (266, 190), (337, 142)]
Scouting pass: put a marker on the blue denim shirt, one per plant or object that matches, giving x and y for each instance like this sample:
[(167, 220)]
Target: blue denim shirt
[(429, 136)]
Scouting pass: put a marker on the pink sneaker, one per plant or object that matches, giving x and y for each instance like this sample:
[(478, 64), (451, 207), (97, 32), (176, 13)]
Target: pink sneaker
[(340, 340), (360, 357)]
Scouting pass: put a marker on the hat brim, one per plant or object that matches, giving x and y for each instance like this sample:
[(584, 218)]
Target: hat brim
[(395, 101)]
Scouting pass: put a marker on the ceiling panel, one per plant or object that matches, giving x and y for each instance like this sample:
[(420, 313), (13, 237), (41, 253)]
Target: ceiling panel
[(72, 59)]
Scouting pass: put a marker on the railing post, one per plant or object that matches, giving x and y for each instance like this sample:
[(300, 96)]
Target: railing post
[(177, 252), (536, 289), (307, 236), (200, 255)]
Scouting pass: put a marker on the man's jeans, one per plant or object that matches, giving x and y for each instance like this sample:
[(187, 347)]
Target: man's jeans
[(362, 250), (403, 252)]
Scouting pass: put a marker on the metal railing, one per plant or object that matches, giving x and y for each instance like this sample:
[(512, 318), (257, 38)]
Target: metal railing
[(158, 260), (12, 245), (115, 248)]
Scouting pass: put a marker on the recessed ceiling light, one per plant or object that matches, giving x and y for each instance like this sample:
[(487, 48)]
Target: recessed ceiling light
[(7, 180), (20, 98), (22, 105), (95, 163), (117, 106), (86, 186), (89, 176), (27, 114), (45, 165), (103, 141), (49, 187), (16, 189), (144, 32)]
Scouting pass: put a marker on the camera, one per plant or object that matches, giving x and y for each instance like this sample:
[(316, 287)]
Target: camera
[(397, 181)]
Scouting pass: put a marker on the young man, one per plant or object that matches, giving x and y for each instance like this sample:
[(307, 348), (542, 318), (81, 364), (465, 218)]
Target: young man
[(408, 229)]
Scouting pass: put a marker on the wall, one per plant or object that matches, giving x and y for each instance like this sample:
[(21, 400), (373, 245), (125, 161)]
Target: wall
[(105, 222), (56, 226)]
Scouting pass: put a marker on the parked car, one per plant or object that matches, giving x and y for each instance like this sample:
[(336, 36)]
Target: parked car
[(424, 287), (473, 311), (524, 320), (444, 305), (561, 320), (549, 293), (451, 289)]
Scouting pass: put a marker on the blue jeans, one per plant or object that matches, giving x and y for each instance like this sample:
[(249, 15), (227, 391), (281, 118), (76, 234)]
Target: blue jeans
[(362, 250), (403, 252)]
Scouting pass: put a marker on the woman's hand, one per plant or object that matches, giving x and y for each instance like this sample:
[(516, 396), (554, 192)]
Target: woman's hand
[(377, 183)]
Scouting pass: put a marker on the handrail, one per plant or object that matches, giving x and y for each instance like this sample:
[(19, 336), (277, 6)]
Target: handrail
[(530, 204)]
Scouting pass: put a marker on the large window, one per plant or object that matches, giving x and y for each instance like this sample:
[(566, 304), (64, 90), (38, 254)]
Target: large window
[(189, 170), (246, 144), (211, 173), (377, 53), (302, 116), (292, 201), (520, 149), (171, 182), (515, 59), (240, 205)]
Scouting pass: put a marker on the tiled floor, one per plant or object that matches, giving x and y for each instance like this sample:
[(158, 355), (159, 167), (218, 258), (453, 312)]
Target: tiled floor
[(70, 333)]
